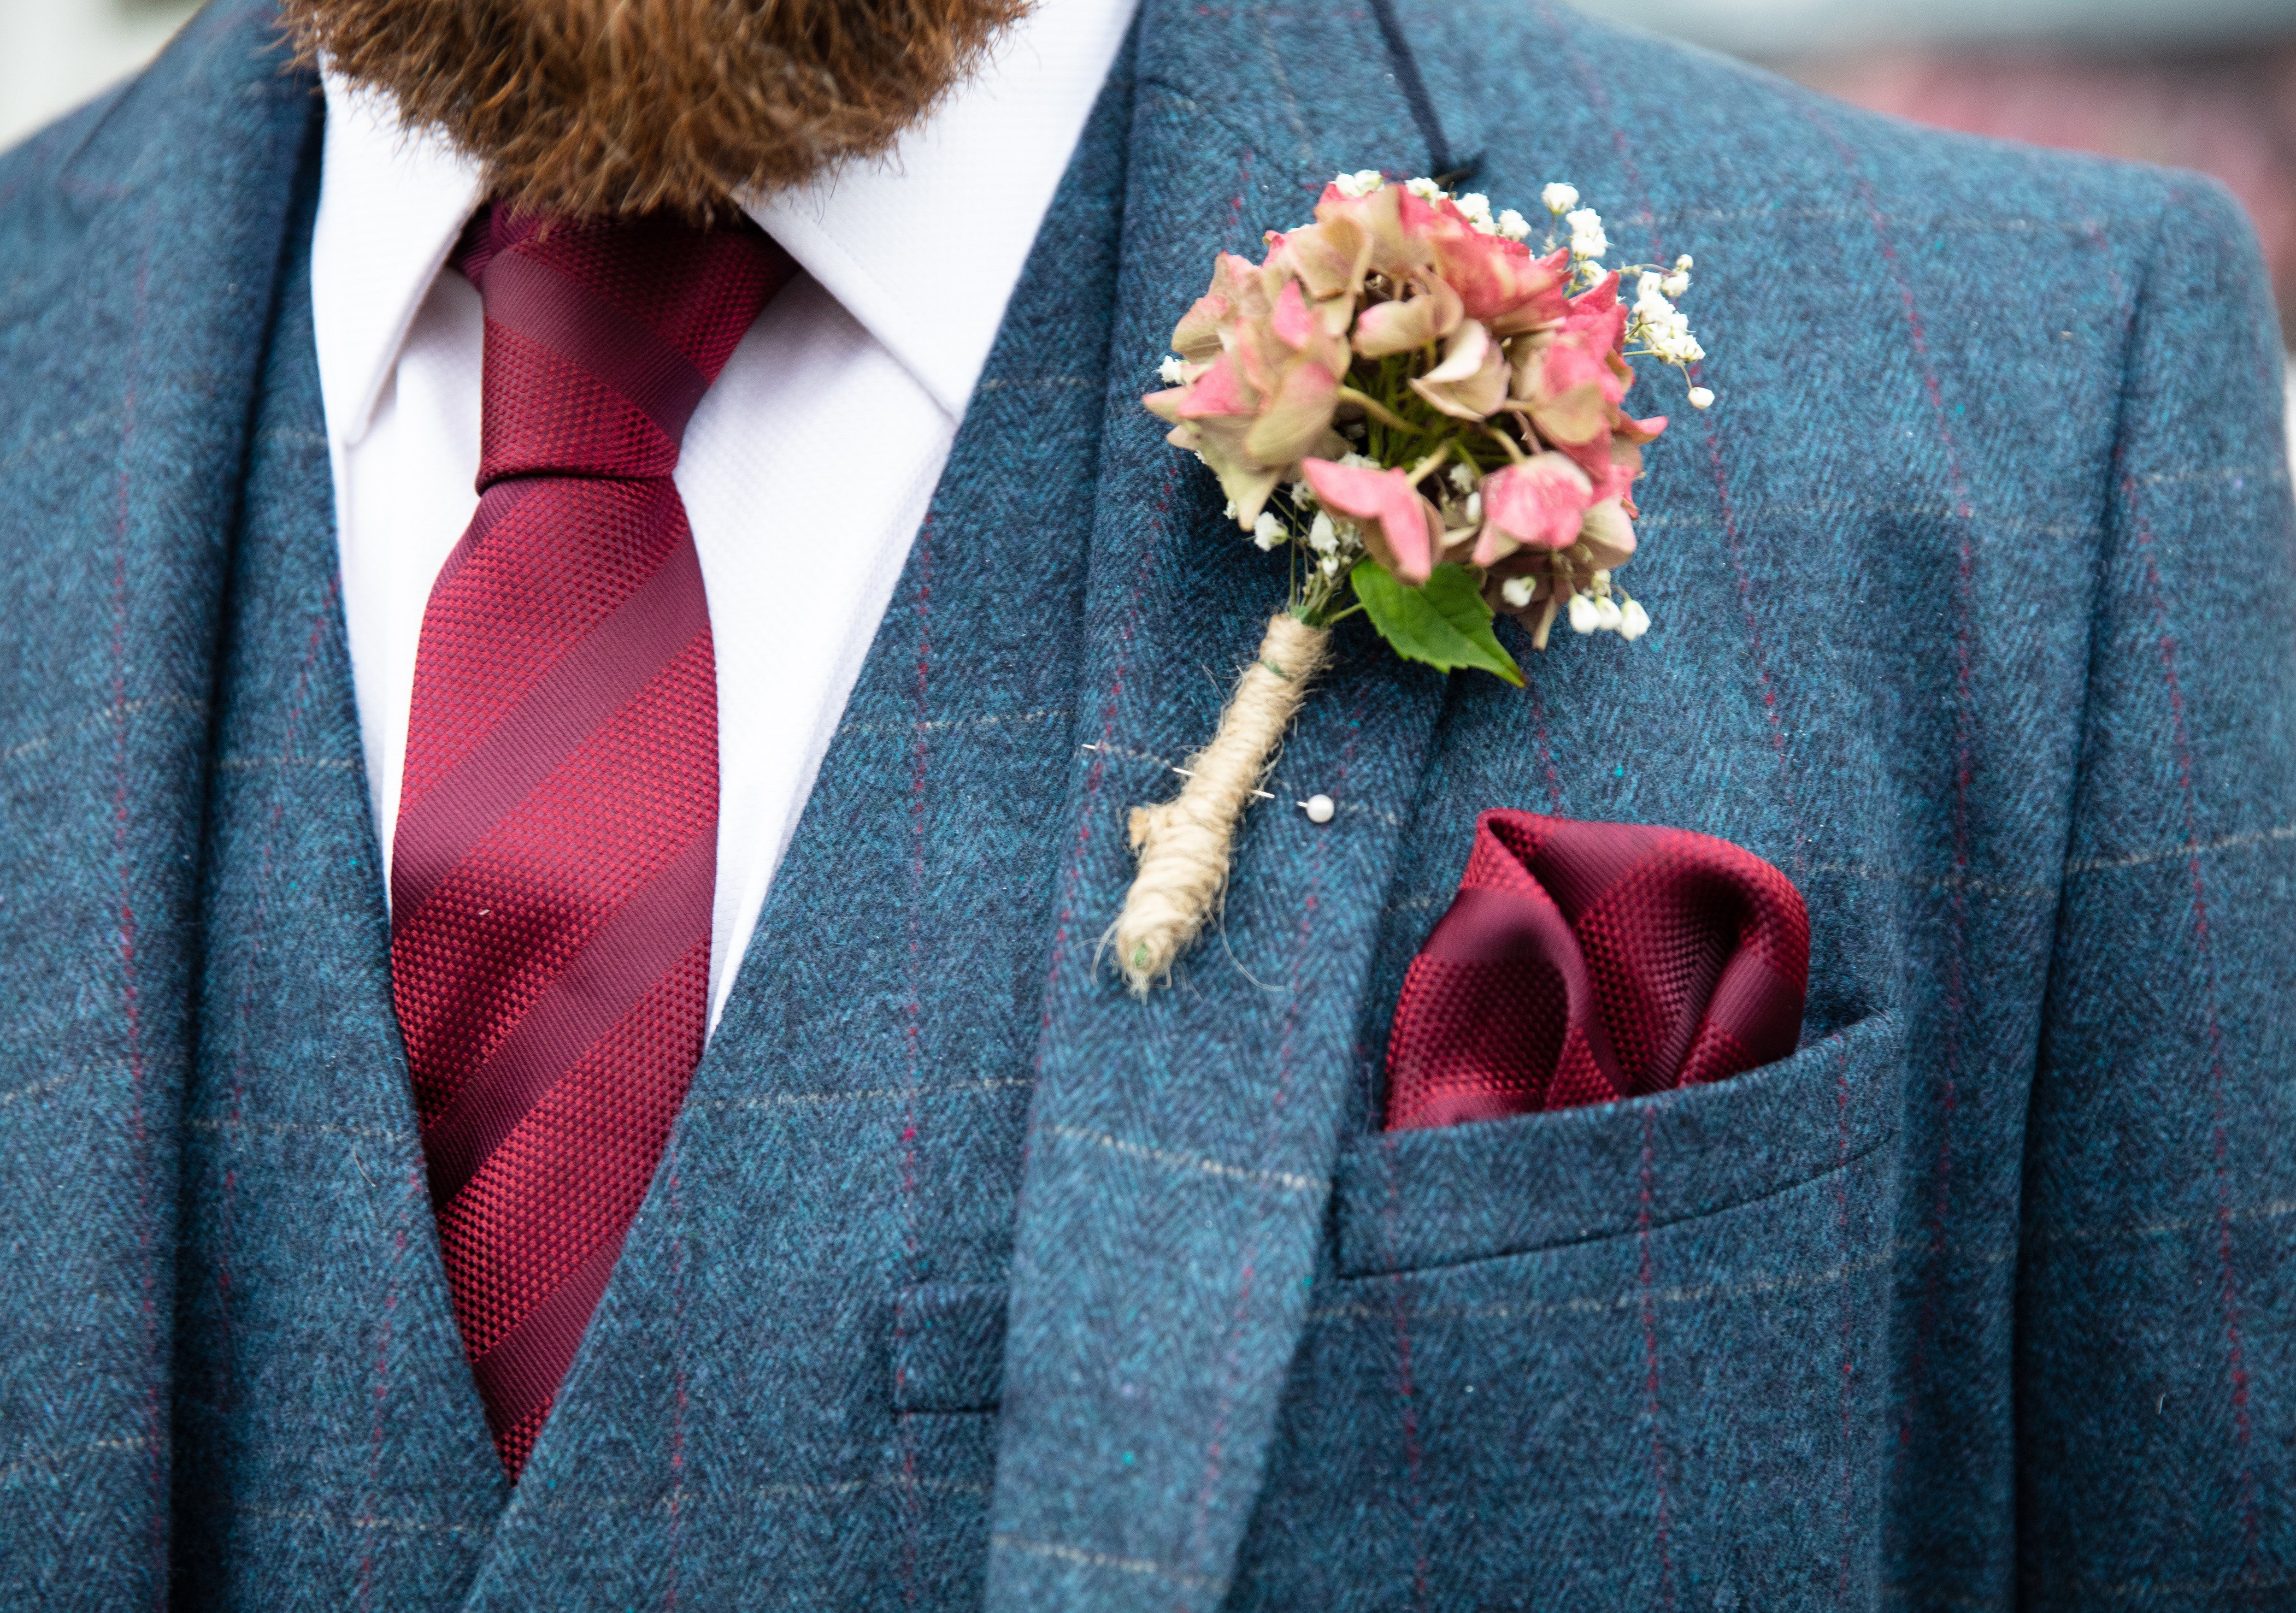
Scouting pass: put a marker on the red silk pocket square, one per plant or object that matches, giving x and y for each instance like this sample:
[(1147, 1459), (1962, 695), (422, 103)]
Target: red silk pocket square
[(1583, 962)]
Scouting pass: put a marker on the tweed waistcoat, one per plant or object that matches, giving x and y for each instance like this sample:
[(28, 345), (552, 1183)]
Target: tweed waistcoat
[(855, 1085), (969, 1282)]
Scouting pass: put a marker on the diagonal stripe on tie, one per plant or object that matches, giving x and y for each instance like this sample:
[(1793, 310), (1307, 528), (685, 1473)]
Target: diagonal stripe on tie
[(599, 675), (554, 858), (620, 963)]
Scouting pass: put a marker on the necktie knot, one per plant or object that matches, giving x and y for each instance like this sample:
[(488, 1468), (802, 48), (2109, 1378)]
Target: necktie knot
[(603, 335)]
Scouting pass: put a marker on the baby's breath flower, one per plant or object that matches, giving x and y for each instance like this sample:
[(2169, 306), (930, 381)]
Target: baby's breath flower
[(1267, 531), (1702, 397), (1682, 264), (1169, 372), (1588, 240), (1425, 189), (1513, 226), (1461, 477), (1478, 209), (1560, 198), (1676, 283), (1475, 509), (1323, 536), (1659, 326), (1363, 182), (1228, 514)]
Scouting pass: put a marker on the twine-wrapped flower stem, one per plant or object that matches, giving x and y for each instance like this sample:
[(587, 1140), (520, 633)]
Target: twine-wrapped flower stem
[(1184, 844)]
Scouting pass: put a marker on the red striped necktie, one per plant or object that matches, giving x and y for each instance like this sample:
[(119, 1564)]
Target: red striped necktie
[(556, 850)]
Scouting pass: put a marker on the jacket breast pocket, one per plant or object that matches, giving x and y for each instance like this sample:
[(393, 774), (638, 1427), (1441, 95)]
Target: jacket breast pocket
[(1625, 1356)]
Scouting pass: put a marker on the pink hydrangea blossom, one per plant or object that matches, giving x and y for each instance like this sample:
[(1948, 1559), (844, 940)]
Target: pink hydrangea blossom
[(1536, 505), (1433, 312), (1403, 530), (1572, 378), (1471, 381), (1400, 327), (1546, 579), (1498, 281), (1271, 360)]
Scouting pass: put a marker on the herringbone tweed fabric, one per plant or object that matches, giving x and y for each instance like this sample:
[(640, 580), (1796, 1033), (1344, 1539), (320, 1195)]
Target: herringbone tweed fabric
[(966, 1280)]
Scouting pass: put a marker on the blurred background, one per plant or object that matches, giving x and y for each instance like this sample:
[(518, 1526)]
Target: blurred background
[(2203, 84), (55, 53)]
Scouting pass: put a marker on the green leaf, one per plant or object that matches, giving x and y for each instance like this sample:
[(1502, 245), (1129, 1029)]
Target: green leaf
[(1445, 624)]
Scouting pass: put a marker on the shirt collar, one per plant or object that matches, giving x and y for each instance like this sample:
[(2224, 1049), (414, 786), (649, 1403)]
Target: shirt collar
[(968, 187)]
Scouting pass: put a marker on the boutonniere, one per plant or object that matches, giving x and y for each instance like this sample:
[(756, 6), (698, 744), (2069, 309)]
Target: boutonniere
[(1426, 416)]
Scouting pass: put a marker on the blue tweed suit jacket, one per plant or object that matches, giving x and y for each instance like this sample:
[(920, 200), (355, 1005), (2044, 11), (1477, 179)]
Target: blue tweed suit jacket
[(969, 1282)]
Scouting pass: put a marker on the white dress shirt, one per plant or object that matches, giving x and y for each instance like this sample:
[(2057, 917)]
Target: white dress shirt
[(808, 467)]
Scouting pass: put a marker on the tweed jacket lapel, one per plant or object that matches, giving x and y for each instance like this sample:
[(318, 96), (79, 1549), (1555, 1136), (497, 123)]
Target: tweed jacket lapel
[(1179, 1149), (142, 236)]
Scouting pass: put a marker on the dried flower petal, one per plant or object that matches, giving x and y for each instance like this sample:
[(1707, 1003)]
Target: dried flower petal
[(1563, 382), (1471, 381), (1398, 328), (1401, 529), (1331, 258), (1539, 503), (1296, 419), (1609, 536)]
